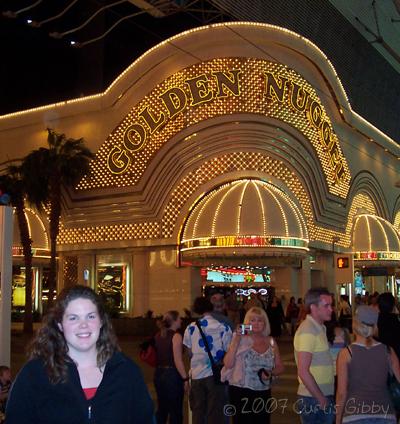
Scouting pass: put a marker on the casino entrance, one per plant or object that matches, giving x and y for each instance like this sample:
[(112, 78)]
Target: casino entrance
[(246, 236)]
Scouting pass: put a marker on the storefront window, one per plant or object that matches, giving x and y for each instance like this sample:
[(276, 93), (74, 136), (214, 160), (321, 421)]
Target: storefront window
[(18, 288), (112, 283)]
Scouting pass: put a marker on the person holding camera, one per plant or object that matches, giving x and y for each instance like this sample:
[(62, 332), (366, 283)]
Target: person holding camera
[(250, 364)]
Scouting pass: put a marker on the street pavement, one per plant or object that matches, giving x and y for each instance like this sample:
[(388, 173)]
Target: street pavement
[(283, 391)]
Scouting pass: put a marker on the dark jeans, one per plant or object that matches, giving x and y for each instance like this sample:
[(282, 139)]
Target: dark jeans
[(250, 406), (310, 412), (169, 388), (207, 401)]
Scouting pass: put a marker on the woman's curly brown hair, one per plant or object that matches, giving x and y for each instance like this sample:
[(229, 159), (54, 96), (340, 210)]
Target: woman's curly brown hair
[(50, 345)]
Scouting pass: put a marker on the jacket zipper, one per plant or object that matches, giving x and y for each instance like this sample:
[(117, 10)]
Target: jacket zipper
[(90, 412)]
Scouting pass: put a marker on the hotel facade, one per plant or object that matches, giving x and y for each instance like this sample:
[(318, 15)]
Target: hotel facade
[(227, 156)]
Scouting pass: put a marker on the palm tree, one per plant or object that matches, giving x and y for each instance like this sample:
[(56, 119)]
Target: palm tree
[(62, 164), (13, 184)]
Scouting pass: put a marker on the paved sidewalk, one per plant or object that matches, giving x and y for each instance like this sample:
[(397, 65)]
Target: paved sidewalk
[(283, 392)]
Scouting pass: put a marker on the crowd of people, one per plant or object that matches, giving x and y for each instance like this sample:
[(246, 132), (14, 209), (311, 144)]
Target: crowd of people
[(76, 372), (236, 365), (343, 381)]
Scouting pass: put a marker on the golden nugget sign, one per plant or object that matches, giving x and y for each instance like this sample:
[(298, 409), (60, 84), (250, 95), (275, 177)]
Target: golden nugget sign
[(206, 88), (195, 91), (204, 92)]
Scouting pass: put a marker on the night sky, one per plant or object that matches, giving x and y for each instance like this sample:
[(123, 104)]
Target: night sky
[(37, 69)]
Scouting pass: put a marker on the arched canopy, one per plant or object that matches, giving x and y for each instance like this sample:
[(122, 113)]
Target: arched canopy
[(247, 218), (375, 241), (37, 232)]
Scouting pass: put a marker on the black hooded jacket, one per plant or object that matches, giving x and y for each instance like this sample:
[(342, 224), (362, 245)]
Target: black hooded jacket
[(389, 331), (121, 398)]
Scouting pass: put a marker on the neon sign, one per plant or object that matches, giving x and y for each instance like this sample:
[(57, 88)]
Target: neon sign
[(211, 89), (377, 256), (198, 90)]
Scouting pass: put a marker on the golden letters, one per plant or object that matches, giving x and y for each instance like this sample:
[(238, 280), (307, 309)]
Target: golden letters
[(206, 88)]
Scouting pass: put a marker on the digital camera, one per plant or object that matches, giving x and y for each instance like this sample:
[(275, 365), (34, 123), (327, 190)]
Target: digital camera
[(245, 328)]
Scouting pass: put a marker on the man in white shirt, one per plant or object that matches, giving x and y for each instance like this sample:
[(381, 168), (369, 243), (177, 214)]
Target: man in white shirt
[(206, 397)]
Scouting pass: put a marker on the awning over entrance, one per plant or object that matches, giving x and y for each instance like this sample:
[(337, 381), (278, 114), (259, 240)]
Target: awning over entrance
[(375, 241), (37, 232), (245, 219)]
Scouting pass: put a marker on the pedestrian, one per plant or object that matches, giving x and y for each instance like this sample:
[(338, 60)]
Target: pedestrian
[(388, 322), (338, 338), (357, 301), (170, 378), (250, 365), (302, 312), (292, 314), (315, 371), (232, 308), (207, 396), (253, 301), (276, 316), (219, 311), (76, 373), (5, 384), (344, 312), (362, 368)]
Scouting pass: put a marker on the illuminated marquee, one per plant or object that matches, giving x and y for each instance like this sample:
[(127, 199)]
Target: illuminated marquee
[(208, 90), (377, 256), (244, 241)]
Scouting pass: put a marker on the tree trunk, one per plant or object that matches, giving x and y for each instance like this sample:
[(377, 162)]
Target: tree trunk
[(27, 250), (55, 212)]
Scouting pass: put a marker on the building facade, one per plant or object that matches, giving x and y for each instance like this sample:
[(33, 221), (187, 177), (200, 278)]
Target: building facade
[(226, 156)]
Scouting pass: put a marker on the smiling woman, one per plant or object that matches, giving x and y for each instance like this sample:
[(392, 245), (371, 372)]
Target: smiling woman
[(76, 373)]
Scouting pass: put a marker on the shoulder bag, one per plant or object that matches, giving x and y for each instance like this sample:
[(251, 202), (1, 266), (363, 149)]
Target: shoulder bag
[(215, 366), (148, 353)]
